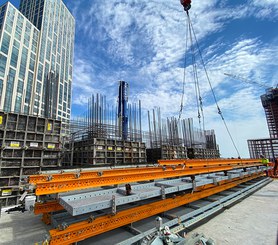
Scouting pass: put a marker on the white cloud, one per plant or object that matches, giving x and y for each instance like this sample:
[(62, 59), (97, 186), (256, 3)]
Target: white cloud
[(143, 42)]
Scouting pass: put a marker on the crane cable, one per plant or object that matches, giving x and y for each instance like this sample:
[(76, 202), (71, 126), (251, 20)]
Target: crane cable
[(199, 100), (211, 88), (195, 77), (183, 83)]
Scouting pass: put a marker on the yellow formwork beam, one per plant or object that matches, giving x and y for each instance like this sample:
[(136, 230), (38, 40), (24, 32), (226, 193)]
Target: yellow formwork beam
[(85, 229)]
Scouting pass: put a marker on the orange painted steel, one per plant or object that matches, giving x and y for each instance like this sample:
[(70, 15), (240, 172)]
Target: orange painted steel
[(46, 218), (53, 206), (34, 179), (53, 187), (201, 162), (47, 207), (85, 229)]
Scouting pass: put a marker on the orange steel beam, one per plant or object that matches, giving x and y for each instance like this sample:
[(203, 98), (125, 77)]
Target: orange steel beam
[(196, 162), (52, 187), (88, 174), (47, 207), (85, 229), (53, 206), (34, 179)]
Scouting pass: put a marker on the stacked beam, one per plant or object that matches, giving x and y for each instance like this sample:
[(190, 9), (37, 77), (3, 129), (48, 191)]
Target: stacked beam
[(170, 185), (29, 144)]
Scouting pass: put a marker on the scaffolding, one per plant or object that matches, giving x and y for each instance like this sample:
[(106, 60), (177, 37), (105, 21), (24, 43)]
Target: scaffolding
[(267, 147), (270, 104)]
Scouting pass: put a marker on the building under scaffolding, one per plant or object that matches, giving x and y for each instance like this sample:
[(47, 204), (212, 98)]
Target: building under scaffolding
[(173, 138), (268, 146), (101, 136)]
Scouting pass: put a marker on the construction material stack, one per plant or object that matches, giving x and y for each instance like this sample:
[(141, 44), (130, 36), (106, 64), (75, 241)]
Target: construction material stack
[(29, 144), (100, 200)]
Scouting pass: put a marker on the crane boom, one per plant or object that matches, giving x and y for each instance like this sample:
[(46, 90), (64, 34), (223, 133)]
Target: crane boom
[(237, 77)]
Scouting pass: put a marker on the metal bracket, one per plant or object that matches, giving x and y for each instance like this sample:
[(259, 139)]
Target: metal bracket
[(91, 219), (193, 185), (63, 226), (23, 196), (77, 175), (114, 206), (49, 177), (163, 195)]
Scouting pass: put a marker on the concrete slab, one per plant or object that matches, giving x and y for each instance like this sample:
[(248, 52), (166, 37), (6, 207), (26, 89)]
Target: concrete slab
[(21, 229), (254, 221)]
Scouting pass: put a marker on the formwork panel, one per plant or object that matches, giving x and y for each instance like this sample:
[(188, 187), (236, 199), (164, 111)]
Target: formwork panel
[(28, 145)]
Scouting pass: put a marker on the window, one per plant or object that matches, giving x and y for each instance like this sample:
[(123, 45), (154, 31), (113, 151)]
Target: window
[(40, 72), (5, 43), (3, 61), (1, 88), (9, 90), (14, 57)]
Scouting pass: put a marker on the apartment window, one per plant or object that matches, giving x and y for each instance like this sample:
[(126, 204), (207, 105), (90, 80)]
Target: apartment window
[(14, 57), (40, 69), (8, 28), (48, 50), (18, 103), (9, 90), (5, 43), (32, 62), (1, 88), (3, 61), (38, 88), (20, 86), (23, 63)]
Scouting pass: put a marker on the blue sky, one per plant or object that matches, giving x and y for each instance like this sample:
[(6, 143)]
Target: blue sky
[(143, 42)]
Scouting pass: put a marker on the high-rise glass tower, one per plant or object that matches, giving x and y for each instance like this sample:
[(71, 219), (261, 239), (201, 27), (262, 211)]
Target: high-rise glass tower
[(36, 58)]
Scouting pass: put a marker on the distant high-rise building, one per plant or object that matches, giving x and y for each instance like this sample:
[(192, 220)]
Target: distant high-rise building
[(268, 147), (36, 58), (270, 104)]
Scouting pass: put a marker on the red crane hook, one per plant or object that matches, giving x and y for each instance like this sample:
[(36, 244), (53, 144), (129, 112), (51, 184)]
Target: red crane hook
[(186, 4)]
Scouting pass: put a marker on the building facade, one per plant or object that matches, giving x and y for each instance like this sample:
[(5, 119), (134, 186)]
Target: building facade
[(36, 58)]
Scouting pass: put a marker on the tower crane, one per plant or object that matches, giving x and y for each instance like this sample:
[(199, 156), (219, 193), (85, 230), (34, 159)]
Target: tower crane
[(237, 77)]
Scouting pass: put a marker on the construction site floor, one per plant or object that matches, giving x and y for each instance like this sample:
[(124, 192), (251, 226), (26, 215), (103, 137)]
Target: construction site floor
[(252, 221)]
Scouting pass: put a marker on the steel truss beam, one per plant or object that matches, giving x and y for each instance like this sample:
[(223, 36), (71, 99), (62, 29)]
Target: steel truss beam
[(52, 187), (207, 162), (84, 174), (85, 229), (92, 200)]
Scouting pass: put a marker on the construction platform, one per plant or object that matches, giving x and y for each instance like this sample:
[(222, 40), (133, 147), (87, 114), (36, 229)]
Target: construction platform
[(248, 222), (85, 203)]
